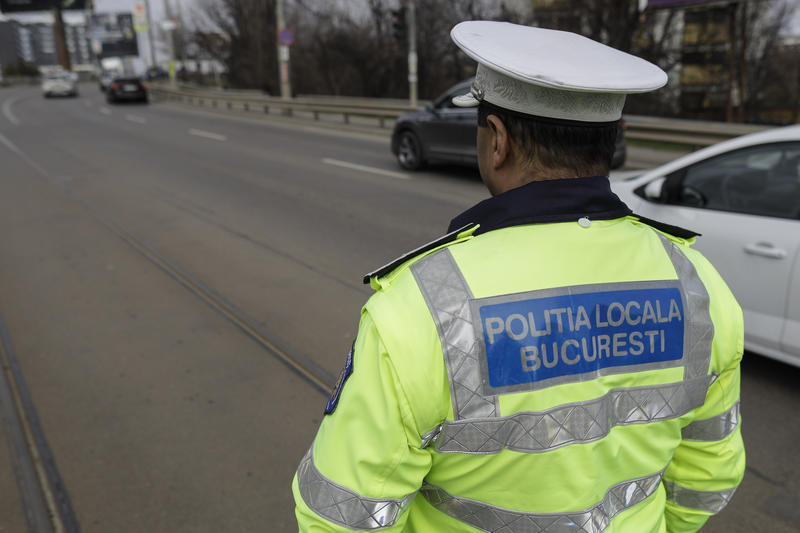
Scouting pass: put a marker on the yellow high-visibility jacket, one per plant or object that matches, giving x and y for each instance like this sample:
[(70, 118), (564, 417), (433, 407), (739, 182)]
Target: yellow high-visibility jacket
[(543, 377)]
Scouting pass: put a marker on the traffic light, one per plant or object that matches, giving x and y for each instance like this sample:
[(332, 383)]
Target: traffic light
[(399, 24)]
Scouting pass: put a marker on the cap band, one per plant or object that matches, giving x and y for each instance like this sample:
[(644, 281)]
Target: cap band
[(546, 120), (536, 100)]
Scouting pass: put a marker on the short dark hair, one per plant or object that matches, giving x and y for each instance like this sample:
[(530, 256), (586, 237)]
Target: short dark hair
[(587, 149)]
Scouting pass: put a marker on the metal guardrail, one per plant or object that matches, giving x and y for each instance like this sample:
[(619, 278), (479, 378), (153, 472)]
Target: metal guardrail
[(250, 101), (693, 134)]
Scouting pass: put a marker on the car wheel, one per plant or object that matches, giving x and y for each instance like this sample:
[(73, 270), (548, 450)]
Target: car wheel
[(409, 151)]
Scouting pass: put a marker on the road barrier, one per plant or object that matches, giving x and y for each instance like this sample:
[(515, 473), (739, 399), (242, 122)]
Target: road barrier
[(317, 107), (692, 134)]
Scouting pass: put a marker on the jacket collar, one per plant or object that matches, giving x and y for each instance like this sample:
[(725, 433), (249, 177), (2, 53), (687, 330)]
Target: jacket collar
[(547, 201)]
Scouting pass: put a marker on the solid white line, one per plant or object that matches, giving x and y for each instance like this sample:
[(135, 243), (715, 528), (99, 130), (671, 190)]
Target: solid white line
[(13, 147), (105, 110), (7, 110), (136, 118), (364, 168), (207, 135)]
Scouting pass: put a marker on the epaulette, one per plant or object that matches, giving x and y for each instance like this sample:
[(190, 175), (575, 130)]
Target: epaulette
[(444, 239), (677, 231)]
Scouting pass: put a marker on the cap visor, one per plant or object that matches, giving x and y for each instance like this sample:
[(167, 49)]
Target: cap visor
[(465, 100)]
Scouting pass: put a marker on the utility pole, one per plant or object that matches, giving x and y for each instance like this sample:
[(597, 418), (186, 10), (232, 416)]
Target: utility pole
[(60, 36), (412, 52), (731, 61), (150, 44), (169, 26), (179, 17), (283, 53), (88, 15)]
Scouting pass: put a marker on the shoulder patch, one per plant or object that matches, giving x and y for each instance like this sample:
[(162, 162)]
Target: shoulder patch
[(677, 231), (337, 390), (385, 269)]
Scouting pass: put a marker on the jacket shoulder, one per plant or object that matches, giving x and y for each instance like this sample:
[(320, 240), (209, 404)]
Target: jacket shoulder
[(669, 230), (407, 259)]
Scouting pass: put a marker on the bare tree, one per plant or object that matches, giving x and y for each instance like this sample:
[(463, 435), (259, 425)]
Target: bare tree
[(759, 31), (341, 47), (248, 29)]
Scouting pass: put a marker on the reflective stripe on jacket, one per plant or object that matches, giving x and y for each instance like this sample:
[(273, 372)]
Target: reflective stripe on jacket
[(547, 377)]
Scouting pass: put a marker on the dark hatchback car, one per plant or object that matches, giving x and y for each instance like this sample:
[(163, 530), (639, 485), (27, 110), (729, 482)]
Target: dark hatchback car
[(126, 90), (444, 133)]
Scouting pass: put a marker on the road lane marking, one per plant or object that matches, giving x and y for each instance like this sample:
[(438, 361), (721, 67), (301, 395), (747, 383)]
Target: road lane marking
[(207, 135), (136, 118), (105, 110), (364, 168), (11, 146), (8, 112)]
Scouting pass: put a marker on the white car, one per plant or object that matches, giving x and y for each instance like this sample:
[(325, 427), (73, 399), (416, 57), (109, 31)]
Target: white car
[(59, 83), (743, 196)]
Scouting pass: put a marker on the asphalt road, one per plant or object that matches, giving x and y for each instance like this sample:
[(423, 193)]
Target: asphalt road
[(161, 413)]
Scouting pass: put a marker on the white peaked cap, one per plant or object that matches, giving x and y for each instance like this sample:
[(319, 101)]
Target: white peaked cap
[(549, 73)]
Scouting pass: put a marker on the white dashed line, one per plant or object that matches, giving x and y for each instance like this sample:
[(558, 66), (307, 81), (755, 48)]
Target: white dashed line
[(8, 113), (364, 168), (136, 118), (207, 135)]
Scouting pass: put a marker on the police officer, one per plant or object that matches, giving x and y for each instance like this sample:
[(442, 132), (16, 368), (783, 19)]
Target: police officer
[(555, 363)]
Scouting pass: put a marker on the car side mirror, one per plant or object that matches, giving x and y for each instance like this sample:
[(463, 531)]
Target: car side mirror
[(655, 189)]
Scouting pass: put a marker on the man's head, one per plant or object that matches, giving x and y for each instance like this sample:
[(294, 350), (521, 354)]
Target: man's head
[(514, 149), (549, 102)]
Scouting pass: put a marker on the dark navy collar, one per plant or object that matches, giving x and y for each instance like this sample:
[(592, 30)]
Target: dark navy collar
[(546, 201)]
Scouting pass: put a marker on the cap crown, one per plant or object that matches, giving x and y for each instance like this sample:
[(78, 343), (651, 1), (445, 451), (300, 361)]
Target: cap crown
[(556, 59), (550, 73)]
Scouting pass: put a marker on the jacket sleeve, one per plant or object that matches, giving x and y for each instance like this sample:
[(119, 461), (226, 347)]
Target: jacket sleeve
[(709, 463), (365, 465)]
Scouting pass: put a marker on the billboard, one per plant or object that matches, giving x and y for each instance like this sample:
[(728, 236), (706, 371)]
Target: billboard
[(140, 18), (113, 35), (18, 6)]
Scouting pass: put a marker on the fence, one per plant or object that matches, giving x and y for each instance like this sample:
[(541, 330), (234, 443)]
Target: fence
[(688, 133)]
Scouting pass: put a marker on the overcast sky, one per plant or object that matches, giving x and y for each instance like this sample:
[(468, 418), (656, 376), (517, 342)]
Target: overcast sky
[(187, 7)]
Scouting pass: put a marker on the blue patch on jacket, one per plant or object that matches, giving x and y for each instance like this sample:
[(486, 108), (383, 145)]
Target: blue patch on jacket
[(337, 390), (536, 339)]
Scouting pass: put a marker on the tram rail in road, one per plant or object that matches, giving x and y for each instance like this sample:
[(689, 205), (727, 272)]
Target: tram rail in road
[(316, 376), (44, 498), (46, 504)]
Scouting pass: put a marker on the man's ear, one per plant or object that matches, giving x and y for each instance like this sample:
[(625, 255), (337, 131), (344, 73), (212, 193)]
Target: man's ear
[(500, 142)]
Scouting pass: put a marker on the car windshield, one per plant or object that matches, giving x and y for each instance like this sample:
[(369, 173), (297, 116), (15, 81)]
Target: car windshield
[(445, 100)]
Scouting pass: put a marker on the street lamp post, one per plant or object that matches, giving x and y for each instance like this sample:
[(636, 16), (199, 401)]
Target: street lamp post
[(412, 53), (283, 53), (150, 34)]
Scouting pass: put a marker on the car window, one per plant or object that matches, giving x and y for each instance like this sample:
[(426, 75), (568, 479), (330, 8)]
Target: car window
[(445, 101), (763, 180)]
